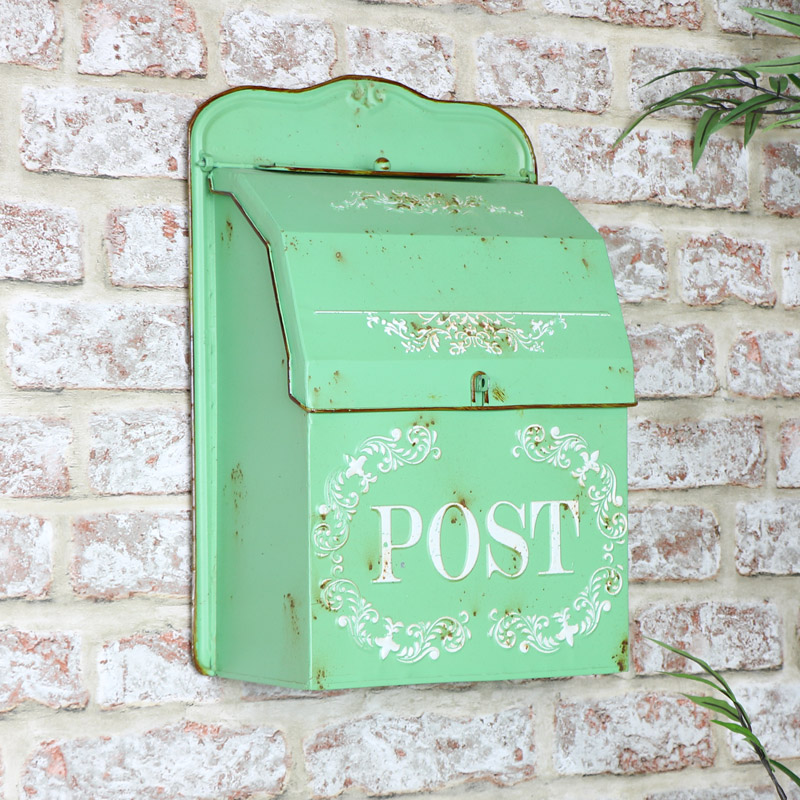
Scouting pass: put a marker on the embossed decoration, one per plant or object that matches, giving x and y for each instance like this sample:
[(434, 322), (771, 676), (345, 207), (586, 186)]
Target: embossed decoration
[(548, 634), (428, 203), (490, 331), (343, 491)]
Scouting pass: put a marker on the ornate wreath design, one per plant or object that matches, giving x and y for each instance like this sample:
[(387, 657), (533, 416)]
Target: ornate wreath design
[(490, 331), (569, 451), (343, 491)]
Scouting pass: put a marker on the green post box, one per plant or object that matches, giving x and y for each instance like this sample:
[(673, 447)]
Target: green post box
[(411, 376)]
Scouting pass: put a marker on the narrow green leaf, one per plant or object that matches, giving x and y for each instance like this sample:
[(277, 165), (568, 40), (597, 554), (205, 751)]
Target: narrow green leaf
[(795, 79), (751, 125), (698, 661), (780, 123), (785, 770), (700, 88), (700, 679), (778, 65), (746, 107), (781, 19), (713, 704), (740, 729)]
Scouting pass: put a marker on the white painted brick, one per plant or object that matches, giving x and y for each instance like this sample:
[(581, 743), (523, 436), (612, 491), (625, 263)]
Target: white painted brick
[(151, 37), (148, 246), (775, 713), (524, 70), (690, 454), (673, 362), (107, 132), (631, 734), (648, 13), (26, 559), (86, 345), (780, 188), (649, 165), (716, 267), (285, 52), (32, 33), (765, 364), (40, 243), (34, 455), (673, 543), (152, 668), (737, 634), (385, 755), (186, 760), (140, 452), (791, 279), (125, 554), (789, 464), (766, 537), (732, 17), (42, 668), (638, 257), (420, 60)]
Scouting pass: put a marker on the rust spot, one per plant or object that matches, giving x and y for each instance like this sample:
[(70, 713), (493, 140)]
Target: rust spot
[(288, 601), (499, 394), (229, 229), (336, 375), (321, 675), (585, 263), (621, 656), (339, 256), (369, 565)]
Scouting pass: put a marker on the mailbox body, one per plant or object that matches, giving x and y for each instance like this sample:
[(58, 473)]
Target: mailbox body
[(410, 422)]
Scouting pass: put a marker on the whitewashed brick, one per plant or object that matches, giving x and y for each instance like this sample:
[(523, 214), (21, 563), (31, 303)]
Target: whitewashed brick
[(524, 70), (648, 63), (716, 267), (148, 246), (125, 554), (151, 37), (32, 33), (152, 668), (420, 60), (384, 755), (780, 189), (720, 793), (712, 452), (775, 714), (140, 452), (34, 457), (648, 13), (26, 559), (285, 52), (791, 279), (40, 243), (489, 6), (789, 463), (732, 17), (765, 364), (104, 132), (187, 760), (631, 734), (649, 165), (638, 257), (86, 345), (41, 668), (673, 362), (673, 543), (728, 635), (767, 541)]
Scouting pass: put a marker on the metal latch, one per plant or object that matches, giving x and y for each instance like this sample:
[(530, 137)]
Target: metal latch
[(479, 386)]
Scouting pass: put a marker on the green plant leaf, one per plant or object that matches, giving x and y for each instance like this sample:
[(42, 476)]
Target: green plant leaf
[(781, 19), (740, 729), (699, 661), (747, 106), (717, 706), (708, 124), (700, 679), (697, 89), (781, 122), (778, 84), (777, 66), (751, 125), (785, 770), (795, 79)]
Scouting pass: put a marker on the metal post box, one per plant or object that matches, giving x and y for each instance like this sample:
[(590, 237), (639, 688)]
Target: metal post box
[(411, 376)]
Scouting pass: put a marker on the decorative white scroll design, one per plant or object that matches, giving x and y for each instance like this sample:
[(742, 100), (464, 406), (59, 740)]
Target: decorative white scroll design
[(343, 490), (427, 203), (490, 331), (548, 634)]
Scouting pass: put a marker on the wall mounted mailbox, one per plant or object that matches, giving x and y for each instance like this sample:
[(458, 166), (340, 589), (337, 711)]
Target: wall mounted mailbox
[(410, 386)]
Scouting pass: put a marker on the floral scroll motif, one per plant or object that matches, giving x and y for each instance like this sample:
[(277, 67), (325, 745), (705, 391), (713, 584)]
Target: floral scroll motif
[(428, 203), (343, 491), (548, 634), (493, 332)]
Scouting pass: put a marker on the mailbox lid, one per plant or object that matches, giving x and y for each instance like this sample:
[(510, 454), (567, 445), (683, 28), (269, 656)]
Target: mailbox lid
[(394, 290)]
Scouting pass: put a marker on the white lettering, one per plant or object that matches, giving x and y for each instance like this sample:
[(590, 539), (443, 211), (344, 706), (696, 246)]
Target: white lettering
[(387, 545), (556, 567), (435, 542), (514, 541)]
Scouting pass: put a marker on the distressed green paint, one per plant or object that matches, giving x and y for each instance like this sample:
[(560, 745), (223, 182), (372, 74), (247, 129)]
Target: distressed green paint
[(364, 514)]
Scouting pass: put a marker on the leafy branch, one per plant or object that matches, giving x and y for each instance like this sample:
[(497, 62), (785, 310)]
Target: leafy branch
[(763, 89), (730, 708)]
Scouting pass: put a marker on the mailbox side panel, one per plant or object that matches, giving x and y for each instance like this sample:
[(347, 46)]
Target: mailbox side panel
[(255, 606)]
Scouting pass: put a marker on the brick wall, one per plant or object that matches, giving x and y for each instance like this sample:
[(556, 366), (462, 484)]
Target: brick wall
[(98, 697)]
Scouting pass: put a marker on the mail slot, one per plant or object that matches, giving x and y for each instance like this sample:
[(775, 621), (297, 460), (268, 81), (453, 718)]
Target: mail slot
[(411, 377)]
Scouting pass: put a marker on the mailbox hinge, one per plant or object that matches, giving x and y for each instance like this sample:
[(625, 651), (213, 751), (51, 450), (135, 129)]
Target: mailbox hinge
[(479, 389)]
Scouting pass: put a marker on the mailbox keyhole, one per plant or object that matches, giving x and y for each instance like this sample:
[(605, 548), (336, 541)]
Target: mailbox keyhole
[(479, 389)]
